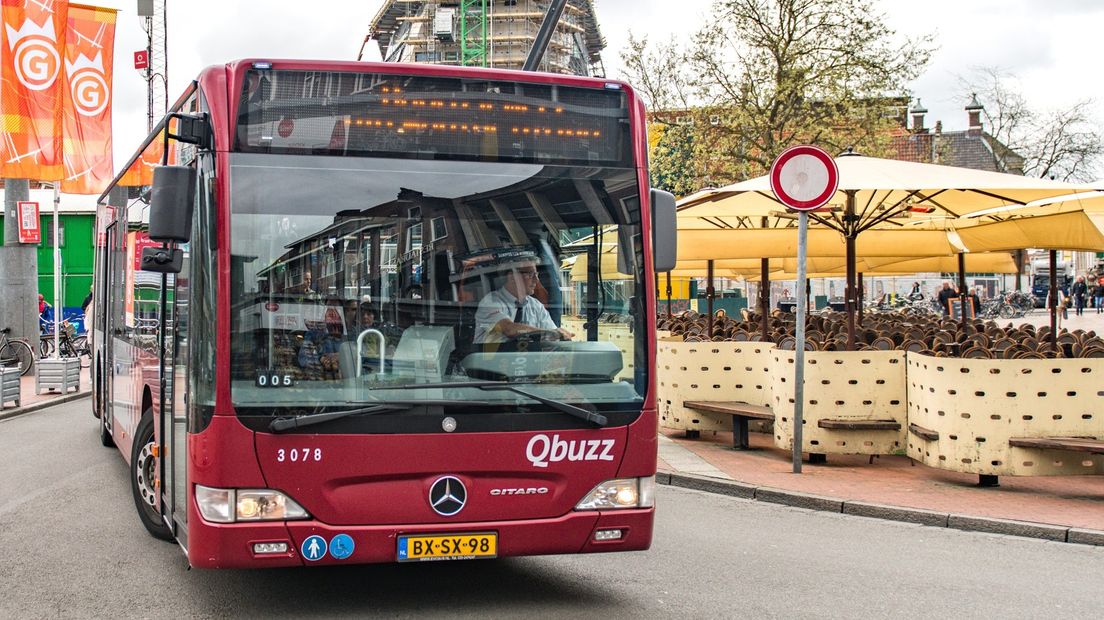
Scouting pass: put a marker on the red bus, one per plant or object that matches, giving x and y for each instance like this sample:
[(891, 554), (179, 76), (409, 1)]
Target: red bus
[(361, 314)]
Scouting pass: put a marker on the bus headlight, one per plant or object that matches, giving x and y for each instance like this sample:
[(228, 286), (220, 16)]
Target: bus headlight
[(231, 505), (620, 493)]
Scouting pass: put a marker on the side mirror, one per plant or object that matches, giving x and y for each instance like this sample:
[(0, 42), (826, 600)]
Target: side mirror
[(162, 260), (664, 230), (171, 203)]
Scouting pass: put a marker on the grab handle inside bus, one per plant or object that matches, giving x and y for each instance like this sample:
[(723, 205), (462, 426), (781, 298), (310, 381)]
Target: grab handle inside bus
[(171, 203), (664, 230)]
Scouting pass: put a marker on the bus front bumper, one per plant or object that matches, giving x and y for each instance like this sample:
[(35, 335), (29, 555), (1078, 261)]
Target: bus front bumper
[(236, 545)]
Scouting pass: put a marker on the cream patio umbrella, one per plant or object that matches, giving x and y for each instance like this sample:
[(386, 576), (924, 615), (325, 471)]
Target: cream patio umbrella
[(873, 194), (1068, 230)]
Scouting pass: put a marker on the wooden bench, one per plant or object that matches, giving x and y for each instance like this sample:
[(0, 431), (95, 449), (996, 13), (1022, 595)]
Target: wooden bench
[(925, 433), (740, 412), (1073, 444), (859, 425)]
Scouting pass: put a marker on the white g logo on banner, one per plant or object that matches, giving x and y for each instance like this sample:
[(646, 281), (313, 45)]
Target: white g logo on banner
[(90, 92), (36, 62)]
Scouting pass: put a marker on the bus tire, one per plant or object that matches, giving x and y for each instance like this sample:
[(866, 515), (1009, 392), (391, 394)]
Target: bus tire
[(106, 440), (143, 472)]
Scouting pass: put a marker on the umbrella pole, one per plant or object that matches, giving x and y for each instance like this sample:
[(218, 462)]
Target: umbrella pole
[(1019, 258), (861, 289), (764, 294), (709, 295), (849, 290), (668, 294), (1054, 302), (963, 297)]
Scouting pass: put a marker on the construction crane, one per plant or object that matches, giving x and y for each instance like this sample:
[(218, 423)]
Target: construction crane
[(154, 22)]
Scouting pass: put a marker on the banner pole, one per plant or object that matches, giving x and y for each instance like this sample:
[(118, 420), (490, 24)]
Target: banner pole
[(57, 274)]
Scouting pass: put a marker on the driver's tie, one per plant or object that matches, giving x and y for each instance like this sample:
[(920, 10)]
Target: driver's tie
[(517, 315)]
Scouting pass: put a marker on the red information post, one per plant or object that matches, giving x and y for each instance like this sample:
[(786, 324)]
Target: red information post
[(29, 229)]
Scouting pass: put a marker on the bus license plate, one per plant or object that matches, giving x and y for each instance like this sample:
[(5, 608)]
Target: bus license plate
[(447, 547)]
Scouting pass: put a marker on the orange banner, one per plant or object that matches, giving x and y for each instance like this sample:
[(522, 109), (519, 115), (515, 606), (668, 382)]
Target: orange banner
[(32, 38), (89, 50), (140, 173)]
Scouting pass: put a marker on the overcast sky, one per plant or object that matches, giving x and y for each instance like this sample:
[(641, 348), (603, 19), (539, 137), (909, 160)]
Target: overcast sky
[(1052, 47)]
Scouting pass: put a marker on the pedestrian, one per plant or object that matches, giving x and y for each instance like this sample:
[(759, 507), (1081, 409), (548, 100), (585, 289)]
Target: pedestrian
[(45, 310), (915, 293), (1098, 295), (1079, 291), (1060, 307), (946, 294), (86, 308), (975, 300)]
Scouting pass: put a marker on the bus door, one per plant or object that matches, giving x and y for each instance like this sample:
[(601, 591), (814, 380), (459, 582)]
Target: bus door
[(173, 412), (111, 286)]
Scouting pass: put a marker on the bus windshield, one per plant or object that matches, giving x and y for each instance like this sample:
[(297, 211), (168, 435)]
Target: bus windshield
[(355, 278)]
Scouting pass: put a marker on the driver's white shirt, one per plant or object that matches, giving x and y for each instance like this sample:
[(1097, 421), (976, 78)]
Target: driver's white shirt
[(501, 304)]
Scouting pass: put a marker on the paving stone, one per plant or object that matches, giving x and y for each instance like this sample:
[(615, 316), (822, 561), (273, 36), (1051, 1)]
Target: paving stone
[(713, 485), (1086, 537), (896, 513), (1007, 526), (799, 500)]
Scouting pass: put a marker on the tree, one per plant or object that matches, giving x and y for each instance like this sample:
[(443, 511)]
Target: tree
[(672, 164), (768, 74), (1061, 144), (659, 78)]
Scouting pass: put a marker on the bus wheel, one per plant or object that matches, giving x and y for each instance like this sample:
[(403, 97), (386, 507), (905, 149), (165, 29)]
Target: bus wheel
[(143, 473), (105, 435)]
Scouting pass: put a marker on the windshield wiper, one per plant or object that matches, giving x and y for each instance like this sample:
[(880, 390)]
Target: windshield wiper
[(595, 418), (280, 425)]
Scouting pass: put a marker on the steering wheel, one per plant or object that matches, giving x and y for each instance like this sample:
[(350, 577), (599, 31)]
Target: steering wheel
[(531, 342)]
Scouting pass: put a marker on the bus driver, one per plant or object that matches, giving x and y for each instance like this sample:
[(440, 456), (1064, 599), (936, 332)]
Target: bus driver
[(512, 310)]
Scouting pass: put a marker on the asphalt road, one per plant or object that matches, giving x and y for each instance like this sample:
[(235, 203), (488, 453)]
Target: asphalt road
[(71, 546)]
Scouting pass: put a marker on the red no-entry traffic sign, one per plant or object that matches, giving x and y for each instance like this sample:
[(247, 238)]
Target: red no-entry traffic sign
[(804, 177)]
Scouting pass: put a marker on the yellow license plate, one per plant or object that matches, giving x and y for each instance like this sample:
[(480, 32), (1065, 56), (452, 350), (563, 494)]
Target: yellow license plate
[(447, 547)]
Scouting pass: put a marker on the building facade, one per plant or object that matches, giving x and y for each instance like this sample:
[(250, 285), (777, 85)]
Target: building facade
[(77, 215), (486, 33)]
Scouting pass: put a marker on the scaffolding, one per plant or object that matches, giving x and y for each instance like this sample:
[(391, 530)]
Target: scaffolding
[(488, 33), (473, 33)]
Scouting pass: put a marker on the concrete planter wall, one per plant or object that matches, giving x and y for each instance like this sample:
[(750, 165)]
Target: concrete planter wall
[(976, 406), (963, 411), (852, 385), (727, 371)]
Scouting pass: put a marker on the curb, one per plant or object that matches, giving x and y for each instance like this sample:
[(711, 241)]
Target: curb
[(43, 404), (1009, 527)]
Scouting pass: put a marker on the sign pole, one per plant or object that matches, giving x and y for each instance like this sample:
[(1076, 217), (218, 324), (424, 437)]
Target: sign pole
[(804, 178), (799, 346)]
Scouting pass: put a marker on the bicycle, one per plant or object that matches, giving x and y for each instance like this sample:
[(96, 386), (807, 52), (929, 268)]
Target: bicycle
[(15, 352), (71, 344)]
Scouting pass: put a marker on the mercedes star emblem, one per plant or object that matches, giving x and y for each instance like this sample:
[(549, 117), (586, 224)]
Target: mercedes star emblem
[(447, 496)]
